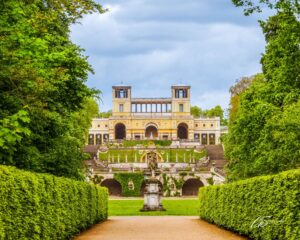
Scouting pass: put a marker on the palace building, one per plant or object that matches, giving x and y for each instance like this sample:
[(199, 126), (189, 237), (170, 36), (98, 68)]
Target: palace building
[(154, 118)]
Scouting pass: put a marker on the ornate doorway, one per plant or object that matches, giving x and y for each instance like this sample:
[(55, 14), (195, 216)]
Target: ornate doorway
[(120, 131), (182, 131)]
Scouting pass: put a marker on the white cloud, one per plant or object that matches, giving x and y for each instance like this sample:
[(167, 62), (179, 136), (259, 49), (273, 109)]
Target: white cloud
[(154, 44)]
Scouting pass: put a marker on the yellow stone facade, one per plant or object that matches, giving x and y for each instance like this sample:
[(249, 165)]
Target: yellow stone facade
[(154, 118)]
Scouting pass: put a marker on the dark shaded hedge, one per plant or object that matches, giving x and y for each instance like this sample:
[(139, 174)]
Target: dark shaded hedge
[(137, 178), (266, 207), (41, 206)]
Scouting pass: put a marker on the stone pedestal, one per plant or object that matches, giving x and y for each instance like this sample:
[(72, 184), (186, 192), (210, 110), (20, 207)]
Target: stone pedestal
[(152, 196)]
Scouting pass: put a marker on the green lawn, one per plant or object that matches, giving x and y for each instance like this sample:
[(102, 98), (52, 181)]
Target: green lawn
[(174, 207)]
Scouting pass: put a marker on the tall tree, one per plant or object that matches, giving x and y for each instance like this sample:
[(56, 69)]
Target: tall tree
[(264, 133), (42, 75)]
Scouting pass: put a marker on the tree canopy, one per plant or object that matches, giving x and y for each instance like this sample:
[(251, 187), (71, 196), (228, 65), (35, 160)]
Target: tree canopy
[(251, 6), (264, 126), (216, 111), (44, 102)]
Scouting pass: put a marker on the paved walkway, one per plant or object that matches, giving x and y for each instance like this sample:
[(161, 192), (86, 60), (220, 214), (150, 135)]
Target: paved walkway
[(156, 228)]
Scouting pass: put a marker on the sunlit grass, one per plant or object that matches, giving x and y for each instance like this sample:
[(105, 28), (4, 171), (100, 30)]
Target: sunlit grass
[(174, 207)]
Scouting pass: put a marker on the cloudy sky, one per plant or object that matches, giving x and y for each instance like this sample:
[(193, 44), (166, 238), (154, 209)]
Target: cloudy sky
[(152, 44)]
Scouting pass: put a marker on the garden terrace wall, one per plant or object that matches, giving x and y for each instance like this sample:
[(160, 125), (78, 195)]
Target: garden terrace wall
[(116, 155), (264, 207), (41, 206)]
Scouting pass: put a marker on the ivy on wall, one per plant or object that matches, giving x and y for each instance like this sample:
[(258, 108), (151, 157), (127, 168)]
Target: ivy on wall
[(172, 185), (131, 183)]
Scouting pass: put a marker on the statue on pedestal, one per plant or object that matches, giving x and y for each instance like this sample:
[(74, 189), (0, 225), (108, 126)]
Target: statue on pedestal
[(153, 192)]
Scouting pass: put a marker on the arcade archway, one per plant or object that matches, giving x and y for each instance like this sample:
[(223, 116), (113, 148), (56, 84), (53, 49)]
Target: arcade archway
[(120, 131), (191, 187), (182, 131), (151, 132), (114, 187)]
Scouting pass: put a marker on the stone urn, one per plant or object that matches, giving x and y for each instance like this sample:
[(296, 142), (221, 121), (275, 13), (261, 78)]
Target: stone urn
[(152, 196)]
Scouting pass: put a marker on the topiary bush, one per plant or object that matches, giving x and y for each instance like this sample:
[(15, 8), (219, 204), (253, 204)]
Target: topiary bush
[(41, 206), (266, 207), (136, 178)]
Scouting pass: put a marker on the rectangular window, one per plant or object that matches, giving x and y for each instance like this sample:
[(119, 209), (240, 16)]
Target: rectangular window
[(181, 93), (138, 107), (164, 108), (158, 108), (105, 137), (98, 139), (169, 107), (133, 107), (204, 138), (181, 107), (153, 107), (148, 108), (143, 108), (91, 139), (121, 108), (121, 93), (137, 137)]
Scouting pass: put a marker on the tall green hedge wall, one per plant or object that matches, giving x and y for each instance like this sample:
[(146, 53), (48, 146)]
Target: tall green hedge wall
[(124, 178), (41, 206), (265, 207)]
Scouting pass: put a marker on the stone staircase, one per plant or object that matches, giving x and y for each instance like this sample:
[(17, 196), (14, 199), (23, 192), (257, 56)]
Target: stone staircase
[(216, 155)]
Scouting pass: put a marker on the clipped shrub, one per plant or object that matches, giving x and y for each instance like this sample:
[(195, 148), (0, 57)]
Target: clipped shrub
[(266, 207), (41, 206), (125, 179)]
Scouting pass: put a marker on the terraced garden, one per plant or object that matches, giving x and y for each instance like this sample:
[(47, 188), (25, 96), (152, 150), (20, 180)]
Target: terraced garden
[(182, 155)]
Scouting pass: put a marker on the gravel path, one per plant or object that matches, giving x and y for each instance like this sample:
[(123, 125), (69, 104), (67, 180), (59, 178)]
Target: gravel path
[(156, 228)]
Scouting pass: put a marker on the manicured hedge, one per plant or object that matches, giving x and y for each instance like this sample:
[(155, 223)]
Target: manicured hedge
[(265, 207), (124, 178), (41, 206)]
